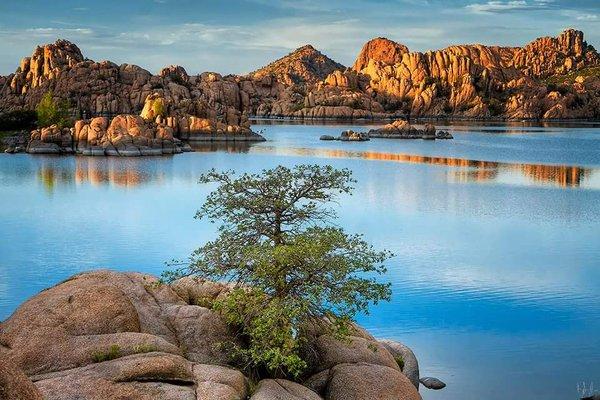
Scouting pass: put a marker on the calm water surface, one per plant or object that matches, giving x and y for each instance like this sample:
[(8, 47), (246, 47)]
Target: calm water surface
[(496, 235)]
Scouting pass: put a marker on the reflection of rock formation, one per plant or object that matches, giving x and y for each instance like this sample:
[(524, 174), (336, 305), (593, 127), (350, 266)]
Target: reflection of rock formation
[(97, 172), (228, 147), (468, 170), (133, 172), (561, 175)]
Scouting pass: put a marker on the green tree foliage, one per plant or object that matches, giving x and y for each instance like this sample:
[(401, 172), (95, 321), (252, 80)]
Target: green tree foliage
[(18, 119), (50, 111), (159, 107), (290, 267)]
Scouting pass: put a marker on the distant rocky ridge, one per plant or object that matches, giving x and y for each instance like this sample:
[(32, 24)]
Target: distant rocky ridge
[(304, 65), (549, 78)]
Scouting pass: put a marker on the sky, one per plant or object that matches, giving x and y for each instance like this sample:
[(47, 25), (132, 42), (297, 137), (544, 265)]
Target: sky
[(239, 36)]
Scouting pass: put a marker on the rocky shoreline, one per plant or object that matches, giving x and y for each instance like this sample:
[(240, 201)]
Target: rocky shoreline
[(109, 335), (152, 133)]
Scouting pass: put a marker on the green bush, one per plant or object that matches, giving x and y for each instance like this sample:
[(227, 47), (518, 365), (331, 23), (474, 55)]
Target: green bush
[(495, 107), (291, 269), (158, 106), (113, 352), (144, 348), (19, 119), (400, 361), (51, 111)]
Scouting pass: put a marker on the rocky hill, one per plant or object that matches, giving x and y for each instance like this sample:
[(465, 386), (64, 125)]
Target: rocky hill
[(304, 65), (549, 78)]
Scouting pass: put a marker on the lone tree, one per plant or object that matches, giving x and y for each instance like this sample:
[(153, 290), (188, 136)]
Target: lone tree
[(50, 111), (288, 266)]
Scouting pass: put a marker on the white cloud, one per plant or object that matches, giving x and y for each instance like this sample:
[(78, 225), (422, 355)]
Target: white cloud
[(588, 17), (58, 32), (496, 7)]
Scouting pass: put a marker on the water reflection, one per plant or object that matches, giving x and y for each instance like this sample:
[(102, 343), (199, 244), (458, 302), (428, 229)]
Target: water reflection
[(470, 170), (97, 171), (135, 171), (228, 147)]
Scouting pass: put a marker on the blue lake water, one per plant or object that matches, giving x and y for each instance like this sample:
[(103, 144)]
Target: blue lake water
[(496, 278)]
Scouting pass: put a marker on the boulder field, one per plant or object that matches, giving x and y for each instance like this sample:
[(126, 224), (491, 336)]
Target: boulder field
[(149, 134), (548, 78), (131, 135), (109, 335)]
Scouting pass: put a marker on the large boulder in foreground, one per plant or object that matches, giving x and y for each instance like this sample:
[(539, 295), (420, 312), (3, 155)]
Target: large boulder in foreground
[(358, 367), (15, 385), (364, 381), (105, 335), (109, 335), (281, 389)]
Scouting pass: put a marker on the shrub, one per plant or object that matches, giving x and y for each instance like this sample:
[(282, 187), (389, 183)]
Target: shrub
[(291, 269), (144, 348), (113, 352), (19, 119), (400, 361), (496, 107), (51, 111), (158, 106), (296, 107)]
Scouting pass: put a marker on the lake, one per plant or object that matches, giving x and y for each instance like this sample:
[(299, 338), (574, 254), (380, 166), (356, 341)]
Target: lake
[(496, 277)]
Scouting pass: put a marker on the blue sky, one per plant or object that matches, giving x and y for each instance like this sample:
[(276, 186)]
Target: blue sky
[(240, 35)]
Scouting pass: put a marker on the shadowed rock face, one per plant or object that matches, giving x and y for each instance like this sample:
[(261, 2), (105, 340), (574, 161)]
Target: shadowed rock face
[(106, 335), (550, 78)]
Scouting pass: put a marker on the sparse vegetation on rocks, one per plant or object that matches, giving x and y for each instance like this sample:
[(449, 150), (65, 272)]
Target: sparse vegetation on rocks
[(288, 268)]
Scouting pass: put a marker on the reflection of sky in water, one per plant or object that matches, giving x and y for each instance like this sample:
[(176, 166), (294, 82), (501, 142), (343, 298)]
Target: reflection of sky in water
[(496, 271)]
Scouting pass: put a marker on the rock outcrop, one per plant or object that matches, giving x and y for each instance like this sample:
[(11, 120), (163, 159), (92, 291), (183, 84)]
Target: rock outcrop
[(305, 65), (401, 129), (348, 136), (548, 78), (109, 335), (151, 133)]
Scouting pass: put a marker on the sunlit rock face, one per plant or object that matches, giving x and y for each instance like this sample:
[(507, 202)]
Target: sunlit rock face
[(304, 65), (477, 80), (551, 78), (382, 50)]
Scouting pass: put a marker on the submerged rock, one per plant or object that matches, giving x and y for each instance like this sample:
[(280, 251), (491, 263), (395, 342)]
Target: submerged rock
[(432, 383), (443, 135)]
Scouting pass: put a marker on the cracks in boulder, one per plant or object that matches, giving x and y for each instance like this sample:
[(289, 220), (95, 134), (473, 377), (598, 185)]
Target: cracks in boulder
[(169, 381), (167, 321)]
